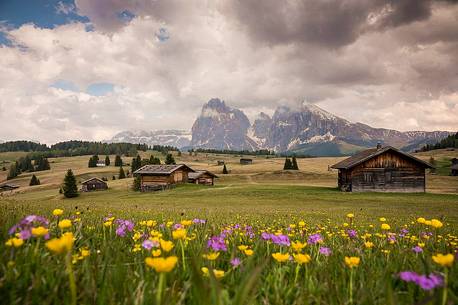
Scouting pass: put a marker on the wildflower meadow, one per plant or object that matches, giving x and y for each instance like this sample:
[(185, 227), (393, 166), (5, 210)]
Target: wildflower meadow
[(69, 257)]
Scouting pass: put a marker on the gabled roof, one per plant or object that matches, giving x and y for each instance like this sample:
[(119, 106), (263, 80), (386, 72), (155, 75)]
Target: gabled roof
[(198, 173), (9, 185), (161, 169), (373, 152), (93, 178)]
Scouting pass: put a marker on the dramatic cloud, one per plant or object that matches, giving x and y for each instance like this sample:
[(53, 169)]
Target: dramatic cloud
[(385, 63)]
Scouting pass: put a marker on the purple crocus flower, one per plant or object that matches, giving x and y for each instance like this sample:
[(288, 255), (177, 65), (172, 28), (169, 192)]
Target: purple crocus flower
[(148, 244), (235, 262), (217, 243), (124, 226), (177, 226), (315, 238), (25, 225), (352, 233), (417, 249), (282, 240), (325, 251), (425, 282), (199, 221), (265, 236)]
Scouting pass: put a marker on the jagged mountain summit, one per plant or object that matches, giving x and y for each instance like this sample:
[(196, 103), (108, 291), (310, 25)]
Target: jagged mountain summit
[(221, 127), (176, 138), (306, 130)]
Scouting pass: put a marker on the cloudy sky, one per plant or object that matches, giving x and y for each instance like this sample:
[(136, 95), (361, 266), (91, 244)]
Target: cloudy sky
[(87, 69)]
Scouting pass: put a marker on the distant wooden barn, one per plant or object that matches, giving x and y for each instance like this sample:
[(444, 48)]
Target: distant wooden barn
[(454, 169), (246, 161), (8, 187), (93, 184), (382, 169), (154, 177), (202, 177)]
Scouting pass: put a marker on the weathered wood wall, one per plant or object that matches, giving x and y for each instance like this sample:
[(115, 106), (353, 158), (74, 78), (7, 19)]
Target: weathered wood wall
[(388, 172)]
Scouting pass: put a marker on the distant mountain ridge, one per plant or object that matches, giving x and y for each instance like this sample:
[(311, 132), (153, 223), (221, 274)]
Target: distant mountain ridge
[(172, 137), (307, 129)]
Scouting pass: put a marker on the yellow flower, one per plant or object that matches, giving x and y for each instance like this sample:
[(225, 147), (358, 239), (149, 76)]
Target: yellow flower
[(298, 246), (301, 224), (211, 256), (350, 215), (39, 231), (57, 212), (242, 247), (385, 226), (428, 222), (248, 252), (150, 223), (14, 242), (186, 223), (279, 257), (62, 244), (218, 273), (107, 223), (160, 264), (352, 261), (445, 260), (436, 223), (382, 219), (137, 248), (179, 234), (345, 224), (421, 220), (167, 246), (156, 252), (302, 258), (137, 236), (65, 223), (85, 252), (368, 244)]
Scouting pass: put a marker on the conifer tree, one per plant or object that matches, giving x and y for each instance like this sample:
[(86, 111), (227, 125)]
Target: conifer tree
[(69, 187), (13, 172), (113, 178), (294, 164), (118, 160), (34, 181), (169, 159), (137, 185), (122, 175), (225, 170), (107, 160), (288, 165)]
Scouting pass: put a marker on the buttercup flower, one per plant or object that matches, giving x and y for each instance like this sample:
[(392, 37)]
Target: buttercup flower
[(352, 261), (39, 231), (385, 226), (161, 264), (302, 258), (445, 260), (167, 246), (61, 245), (211, 256), (279, 257), (64, 224), (435, 223), (298, 246), (218, 273), (57, 212), (14, 242), (179, 234)]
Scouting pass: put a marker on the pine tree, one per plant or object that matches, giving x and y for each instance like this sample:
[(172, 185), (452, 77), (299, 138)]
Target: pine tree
[(225, 170), (34, 181), (113, 178), (288, 165), (179, 154), (137, 185), (4, 169), (13, 172), (154, 160), (69, 188), (122, 175), (169, 159), (118, 160), (294, 164), (107, 160)]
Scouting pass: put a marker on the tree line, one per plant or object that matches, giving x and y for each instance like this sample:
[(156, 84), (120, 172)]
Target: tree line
[(27, 164), (261, 152), (450, 141)]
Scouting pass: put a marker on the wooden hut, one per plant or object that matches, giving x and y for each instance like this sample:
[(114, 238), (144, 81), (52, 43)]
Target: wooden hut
[(93, 184), (454, 170), (154, 177), (8, 187), (246, 161), (382, 169), (202, 177)]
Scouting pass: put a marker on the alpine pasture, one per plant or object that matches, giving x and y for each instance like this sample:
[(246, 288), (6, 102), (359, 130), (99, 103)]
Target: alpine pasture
[(261, 235)]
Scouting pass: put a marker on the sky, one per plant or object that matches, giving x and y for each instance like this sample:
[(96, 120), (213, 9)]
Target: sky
[(84, 69)]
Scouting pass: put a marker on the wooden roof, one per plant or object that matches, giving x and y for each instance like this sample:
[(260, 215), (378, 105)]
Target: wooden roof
[(161, 169), (367, 154), (198, 173), (93, 178), (9, 185)]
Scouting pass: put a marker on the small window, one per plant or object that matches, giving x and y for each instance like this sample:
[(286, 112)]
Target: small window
[(368, 177), (388, 177)]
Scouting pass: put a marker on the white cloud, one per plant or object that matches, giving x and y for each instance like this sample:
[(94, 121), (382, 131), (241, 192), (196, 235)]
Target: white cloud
[(380, 79)]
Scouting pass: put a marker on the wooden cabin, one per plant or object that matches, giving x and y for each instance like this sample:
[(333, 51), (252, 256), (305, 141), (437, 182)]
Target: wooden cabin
[(8, 187), (160, 176), (382, 169), (246, 161), (93, 184), (202, 177)]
